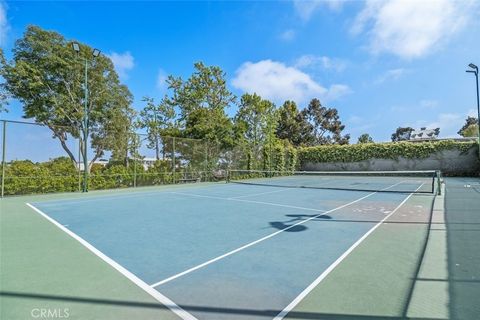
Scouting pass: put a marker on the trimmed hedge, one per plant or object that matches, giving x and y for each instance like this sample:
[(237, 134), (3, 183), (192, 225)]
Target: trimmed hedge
[(60, 175), (366, 151)]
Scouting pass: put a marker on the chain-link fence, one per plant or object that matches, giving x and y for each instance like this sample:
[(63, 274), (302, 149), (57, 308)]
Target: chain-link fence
[(43, 159), (35, 159)]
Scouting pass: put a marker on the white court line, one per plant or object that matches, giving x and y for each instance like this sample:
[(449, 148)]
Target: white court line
[(325, 273), (154, 293), (259, 240), (259, 194), (250, 201), (123, 194)]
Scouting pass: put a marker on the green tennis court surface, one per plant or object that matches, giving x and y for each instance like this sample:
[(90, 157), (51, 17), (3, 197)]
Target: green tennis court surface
[(233, 251)]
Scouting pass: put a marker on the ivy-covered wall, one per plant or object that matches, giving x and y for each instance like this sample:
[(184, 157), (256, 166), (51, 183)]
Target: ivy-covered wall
[(452, 157)]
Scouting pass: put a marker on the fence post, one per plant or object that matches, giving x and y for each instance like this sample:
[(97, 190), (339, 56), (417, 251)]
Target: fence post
[(207, 177), (173, 158), (135, 156), (78, 165), (4, 148)]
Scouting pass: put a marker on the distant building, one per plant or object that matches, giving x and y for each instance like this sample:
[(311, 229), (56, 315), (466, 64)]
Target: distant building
[(148, 162), (102, 162), (424, 134)]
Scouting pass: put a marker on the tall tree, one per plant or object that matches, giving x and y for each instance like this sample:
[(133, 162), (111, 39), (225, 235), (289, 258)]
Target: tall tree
[(46, 76), (124, 143), (256, 121), (202, 101), (156, 119), (402, 134), (365, 138), (292, 125), (254, 116), (3, 90), (325, 125), (470, 128)]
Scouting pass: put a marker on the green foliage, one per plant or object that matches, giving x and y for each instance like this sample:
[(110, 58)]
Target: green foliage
[(253, 117), (3, 90), (292, 125), (156, 119), (324, 127), (26, 177), (401, 134), (47, 76), (255, 126), (360, 152), (202, 100), (312, 126), (467, 130), (470, 131), (365, 138)]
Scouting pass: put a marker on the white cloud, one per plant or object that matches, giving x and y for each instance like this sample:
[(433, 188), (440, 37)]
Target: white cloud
[(392, 74), (449, 123), (288, 35), (4, 26), (162, 80), (323, 62), (429, 104), (337, 91), (277, 82), (411, 28), (398, 108), (123, 63), (306, 8)]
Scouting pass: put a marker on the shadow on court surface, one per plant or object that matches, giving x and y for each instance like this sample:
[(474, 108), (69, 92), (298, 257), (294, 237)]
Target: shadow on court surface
[(462, 203), (217, 310), (289, 225)]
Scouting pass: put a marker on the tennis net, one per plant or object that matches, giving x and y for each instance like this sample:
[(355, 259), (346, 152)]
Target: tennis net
[(371, 181)]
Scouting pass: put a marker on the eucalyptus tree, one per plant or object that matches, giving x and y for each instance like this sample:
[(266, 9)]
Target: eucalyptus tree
[(157, 119), (47, 76), (365, 138), (324, 125)]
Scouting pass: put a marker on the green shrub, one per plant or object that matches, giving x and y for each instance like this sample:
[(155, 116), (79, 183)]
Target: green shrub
[(26, 177), (394, 150)]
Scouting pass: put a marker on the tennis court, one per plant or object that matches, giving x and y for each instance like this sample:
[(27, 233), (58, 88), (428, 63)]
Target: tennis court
[(254, 250)]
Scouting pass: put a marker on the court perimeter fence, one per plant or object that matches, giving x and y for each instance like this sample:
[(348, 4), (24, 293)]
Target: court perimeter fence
[(39, 159)]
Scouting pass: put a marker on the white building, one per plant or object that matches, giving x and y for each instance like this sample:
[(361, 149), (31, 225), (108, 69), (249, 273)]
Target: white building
[(424, 134), (102, 162)]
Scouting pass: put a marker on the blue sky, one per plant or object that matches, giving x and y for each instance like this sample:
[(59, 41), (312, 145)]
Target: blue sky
[(382, 64)]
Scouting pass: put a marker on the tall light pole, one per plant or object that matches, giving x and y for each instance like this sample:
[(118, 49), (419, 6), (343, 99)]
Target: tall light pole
[(95, 53), (475, 72)]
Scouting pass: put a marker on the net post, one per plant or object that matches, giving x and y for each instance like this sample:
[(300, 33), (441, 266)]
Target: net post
[(4, 148), (438, 174)]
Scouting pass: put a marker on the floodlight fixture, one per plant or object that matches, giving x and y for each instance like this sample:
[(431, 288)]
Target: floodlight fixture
[(76, 47), (96, 52), (471, 65)]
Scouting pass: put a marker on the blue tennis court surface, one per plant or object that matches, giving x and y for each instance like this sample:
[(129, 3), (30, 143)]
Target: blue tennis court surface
[(226, 251)]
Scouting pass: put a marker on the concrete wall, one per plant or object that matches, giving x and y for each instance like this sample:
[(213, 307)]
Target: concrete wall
[(450, 162)]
